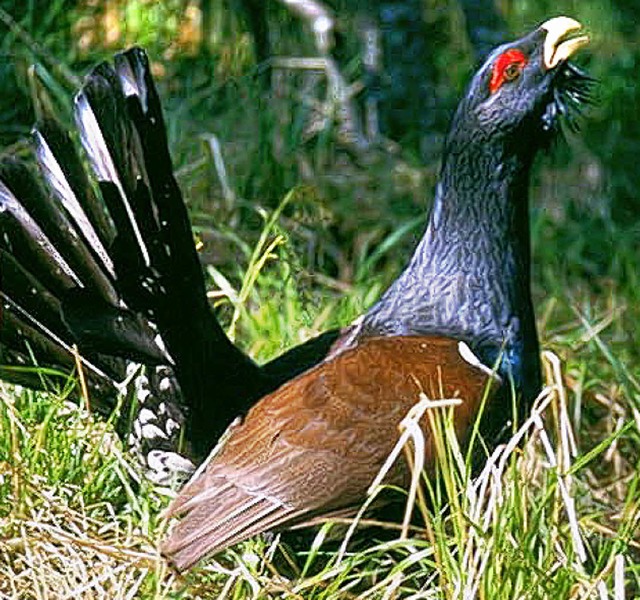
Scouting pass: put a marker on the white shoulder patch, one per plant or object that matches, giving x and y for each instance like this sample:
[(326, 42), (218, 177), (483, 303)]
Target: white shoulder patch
[(468, 356)]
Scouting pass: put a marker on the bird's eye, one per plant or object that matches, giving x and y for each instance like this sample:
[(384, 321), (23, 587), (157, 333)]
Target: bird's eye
[(508, 66), (512, 71)]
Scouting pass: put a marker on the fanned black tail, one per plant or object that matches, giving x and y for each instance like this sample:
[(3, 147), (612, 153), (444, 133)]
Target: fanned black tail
[(105, 261)]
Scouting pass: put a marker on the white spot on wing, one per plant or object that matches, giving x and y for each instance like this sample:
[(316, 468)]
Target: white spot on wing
[(468, 356), (159, 460), (152, 432), (145, 416), (171, 426)]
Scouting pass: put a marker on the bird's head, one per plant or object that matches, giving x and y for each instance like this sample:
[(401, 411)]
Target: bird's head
[(525, 87)]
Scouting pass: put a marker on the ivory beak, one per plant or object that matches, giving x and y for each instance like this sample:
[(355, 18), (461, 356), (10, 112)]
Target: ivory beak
[(557, 47)]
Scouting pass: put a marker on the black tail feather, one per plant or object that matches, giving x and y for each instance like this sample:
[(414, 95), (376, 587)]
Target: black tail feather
[(23, 237), (113, 151), (76, 196), (74, 271), (29, 336), (57, 229), (66, 176), (33, 332), (28, 292), (106, 261), (101, 327), (194, 337), (170, 210)]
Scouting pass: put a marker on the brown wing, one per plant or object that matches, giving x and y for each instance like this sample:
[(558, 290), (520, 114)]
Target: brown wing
[(314, 445)]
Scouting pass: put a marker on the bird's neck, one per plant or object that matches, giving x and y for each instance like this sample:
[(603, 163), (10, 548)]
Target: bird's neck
[(469, 277), (478, 229)]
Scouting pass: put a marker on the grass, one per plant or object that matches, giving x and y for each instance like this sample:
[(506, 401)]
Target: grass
[(306, 241), (77, 522)]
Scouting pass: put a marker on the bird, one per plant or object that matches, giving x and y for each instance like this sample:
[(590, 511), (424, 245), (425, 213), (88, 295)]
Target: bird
[(457, 323), (100, 259)]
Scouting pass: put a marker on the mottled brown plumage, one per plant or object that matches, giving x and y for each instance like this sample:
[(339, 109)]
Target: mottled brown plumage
[(341, 417)]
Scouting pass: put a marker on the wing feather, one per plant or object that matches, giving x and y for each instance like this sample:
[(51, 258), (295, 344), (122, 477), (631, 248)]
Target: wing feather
[(313, 446)]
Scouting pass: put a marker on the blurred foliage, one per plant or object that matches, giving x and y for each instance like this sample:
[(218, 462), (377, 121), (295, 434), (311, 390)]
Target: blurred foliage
[(213, 76)]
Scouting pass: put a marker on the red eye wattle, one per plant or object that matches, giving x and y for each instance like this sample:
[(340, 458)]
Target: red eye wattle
[(507, 67)]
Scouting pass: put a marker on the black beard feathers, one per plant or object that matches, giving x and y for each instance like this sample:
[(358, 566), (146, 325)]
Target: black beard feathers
[(572, 92)]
